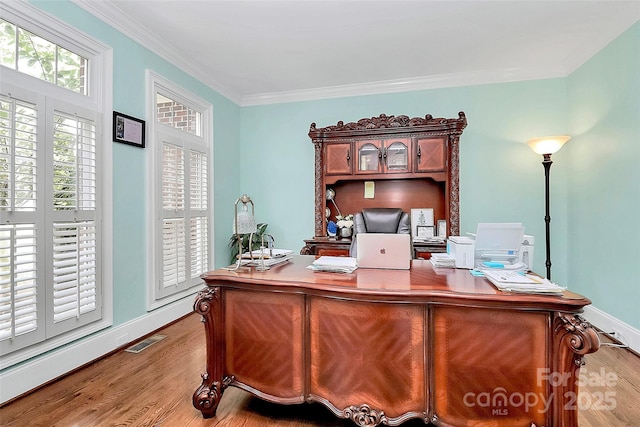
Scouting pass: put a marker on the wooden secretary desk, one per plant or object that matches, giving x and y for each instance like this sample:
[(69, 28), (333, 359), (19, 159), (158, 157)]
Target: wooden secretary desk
[(409, 162)]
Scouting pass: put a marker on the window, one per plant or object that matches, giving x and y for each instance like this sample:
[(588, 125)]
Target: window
[(172, 113), (181, 170), (54, 176), (30, 54), (48, 177)]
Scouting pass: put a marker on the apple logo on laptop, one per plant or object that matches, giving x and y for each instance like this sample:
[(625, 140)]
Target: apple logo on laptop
[(383, 251)]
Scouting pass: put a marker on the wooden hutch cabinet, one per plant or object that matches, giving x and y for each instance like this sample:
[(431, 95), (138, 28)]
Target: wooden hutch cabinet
[(408, 162)]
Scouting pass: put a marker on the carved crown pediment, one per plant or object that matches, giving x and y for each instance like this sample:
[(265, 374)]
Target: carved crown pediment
[(392, 123)]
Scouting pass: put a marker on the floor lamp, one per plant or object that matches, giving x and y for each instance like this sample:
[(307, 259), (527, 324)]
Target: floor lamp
[(547, 146)]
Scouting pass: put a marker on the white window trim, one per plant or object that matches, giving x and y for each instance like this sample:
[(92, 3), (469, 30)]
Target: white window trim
[(101, 71), (153, 277), (44, 25)]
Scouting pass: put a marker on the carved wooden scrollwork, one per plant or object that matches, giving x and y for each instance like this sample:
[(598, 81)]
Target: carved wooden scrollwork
[(583, 339), (454, 185), (202, 304), (364, 416), (207, 397), (574, 337), (319, 193), (384, 121)]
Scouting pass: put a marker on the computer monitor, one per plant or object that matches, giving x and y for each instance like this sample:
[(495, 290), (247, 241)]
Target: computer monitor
[(498, 242)]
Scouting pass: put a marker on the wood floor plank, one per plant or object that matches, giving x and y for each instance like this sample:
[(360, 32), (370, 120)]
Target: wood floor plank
[(154, 388)]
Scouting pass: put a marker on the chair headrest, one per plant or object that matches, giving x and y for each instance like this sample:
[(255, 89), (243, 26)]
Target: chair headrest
[(382, 220)]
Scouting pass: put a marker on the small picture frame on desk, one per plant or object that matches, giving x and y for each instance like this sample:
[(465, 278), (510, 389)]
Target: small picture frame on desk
[(420, 217), (424, 232), (442, 228)]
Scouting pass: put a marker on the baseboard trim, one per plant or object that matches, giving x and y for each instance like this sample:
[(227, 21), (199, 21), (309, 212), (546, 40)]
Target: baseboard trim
[(607, 323), (42, 370)]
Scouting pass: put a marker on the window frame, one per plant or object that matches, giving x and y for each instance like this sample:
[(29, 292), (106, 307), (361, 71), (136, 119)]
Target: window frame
[(98, 100), (157, 133)]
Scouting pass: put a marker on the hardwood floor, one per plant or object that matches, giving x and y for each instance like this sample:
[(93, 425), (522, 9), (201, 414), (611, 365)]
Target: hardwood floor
[(154, 388)]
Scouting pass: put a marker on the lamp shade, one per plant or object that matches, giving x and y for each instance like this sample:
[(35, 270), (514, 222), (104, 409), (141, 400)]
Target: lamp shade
[(548, 144), (244, 221)]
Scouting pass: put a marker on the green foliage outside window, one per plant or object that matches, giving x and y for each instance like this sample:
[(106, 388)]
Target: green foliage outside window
[(33, 55)]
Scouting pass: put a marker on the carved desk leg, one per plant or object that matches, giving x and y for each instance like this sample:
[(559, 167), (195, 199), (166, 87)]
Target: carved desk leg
[(573, 337), (207, 397)]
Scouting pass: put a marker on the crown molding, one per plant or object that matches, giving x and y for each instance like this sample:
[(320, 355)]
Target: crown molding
[(109, 13), (403, 85), (587, 51)]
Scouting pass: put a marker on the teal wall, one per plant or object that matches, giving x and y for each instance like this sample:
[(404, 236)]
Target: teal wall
[(264, 151), (130, 62), (501, 179), (604, 180)]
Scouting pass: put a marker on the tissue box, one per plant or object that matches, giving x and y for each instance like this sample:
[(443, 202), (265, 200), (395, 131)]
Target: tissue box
[(462, 250)]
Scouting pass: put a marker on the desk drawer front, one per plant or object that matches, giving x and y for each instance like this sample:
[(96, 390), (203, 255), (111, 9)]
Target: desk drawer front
[(368, 353), (264, 341), (486, 366)]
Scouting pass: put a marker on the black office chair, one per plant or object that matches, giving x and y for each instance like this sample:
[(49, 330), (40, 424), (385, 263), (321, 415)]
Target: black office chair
[(379, 220)]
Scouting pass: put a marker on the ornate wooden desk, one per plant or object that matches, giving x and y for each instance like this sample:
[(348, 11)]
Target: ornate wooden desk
[(384, 346)]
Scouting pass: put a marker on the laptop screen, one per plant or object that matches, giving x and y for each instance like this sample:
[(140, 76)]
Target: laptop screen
[(381, 250)]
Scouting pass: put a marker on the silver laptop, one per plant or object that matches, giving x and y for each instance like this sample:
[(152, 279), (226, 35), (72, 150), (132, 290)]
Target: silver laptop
[(381, 250)]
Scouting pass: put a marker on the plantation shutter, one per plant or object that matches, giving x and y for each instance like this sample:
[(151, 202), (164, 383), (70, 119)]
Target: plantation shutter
[(20, 191), (198, 210), (74, 270), (49, 262), (185, 225), (18, 287), (74, 295), (54, 95), (173, 204)]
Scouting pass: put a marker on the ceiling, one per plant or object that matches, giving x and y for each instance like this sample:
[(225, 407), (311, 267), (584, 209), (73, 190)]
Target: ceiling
[(260, 52)]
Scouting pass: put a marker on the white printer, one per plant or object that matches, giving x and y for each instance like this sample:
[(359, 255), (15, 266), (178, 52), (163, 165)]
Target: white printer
[(496, 242)]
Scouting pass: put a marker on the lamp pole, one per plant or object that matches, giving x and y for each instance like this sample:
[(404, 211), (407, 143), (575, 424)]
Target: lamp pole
[(547, 217), (547, 146)]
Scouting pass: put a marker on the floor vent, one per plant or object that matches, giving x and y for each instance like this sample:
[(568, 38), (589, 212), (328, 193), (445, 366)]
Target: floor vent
[(138, 347)]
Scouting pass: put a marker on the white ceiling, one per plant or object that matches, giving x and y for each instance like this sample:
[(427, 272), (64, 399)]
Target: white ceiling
[(258, 52)]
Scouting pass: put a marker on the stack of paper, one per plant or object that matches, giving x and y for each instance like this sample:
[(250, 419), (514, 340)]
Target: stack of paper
[(334, 264), (442, 260), (267, 253), (266, 257), (513, 281), (428, 239)]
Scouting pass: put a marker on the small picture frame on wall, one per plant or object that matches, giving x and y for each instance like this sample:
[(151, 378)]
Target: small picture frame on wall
[(442, 228), (424, 232), (128, 130)]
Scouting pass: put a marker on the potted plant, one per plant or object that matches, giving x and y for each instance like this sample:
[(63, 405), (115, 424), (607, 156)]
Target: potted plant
[(255, 241)]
